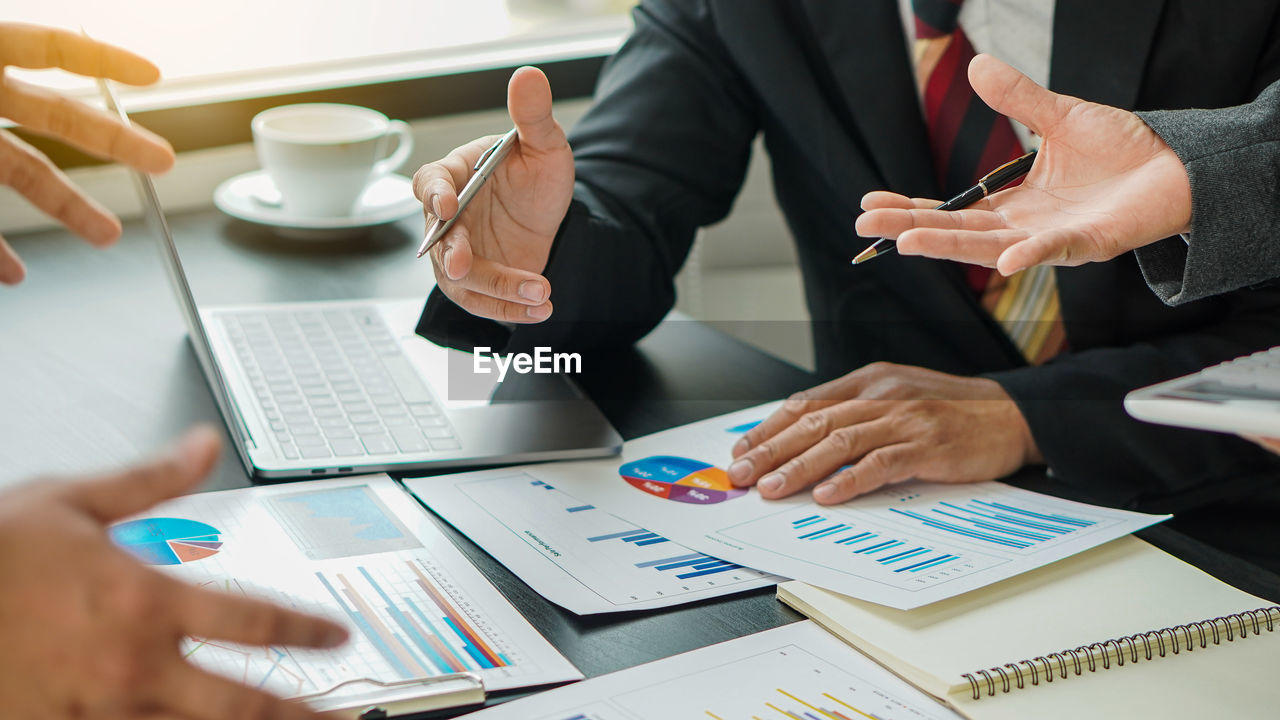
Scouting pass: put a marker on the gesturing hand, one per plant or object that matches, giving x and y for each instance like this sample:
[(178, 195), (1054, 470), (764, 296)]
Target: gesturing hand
[(1103, 184), (491, 261), (89, 633), (889, 423), (30, 173)]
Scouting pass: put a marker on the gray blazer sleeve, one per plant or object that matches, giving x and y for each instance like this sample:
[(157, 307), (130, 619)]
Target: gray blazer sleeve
[(1232, 158)]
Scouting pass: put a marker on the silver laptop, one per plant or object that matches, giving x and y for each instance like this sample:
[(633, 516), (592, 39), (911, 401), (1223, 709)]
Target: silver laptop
[(333, 388)]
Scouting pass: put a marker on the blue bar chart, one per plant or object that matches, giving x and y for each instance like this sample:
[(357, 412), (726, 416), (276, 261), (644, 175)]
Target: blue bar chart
[(997, 523), (898, 555), (578, 555), (908, 540)]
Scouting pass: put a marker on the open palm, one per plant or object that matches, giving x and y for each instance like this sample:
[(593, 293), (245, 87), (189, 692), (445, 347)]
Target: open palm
[(1103, 183)]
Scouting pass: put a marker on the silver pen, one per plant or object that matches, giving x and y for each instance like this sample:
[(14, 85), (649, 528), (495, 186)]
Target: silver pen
[(485, 166)]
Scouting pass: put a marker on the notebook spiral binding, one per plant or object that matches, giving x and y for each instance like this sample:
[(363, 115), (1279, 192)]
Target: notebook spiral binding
[(1149, 644)]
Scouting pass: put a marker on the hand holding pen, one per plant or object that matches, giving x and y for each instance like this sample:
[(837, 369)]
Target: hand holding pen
[(990, 183), (494, 206), (1103, 184)]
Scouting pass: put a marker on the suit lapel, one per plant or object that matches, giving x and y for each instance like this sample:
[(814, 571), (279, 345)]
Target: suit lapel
[(863, 45), (1100, 48)]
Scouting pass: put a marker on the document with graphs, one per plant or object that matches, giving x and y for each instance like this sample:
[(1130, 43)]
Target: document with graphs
[(362, 552), (903, 546), (795, 671), (582, 558)]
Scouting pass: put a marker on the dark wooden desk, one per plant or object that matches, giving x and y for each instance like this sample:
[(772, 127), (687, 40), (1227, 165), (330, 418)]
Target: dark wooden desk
[(95, 370)]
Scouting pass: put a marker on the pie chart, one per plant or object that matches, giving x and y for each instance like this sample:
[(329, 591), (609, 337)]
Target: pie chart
[(680, 480), (167, 541)]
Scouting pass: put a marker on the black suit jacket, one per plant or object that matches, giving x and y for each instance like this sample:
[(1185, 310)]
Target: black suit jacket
[(665, 147)]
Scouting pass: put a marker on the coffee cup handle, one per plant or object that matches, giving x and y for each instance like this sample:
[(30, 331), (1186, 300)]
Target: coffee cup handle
[(404, 146)]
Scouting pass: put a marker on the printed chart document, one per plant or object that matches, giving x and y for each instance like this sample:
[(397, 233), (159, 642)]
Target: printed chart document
[(360, 551), (796, 671), (903, 546), (575, 554)]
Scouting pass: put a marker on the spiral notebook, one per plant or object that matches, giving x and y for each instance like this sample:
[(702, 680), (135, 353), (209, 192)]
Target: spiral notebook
[(1124, 628)]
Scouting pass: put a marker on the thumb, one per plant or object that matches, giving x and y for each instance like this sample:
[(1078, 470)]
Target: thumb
[(1011, 93), (131, 491), (529, 104)]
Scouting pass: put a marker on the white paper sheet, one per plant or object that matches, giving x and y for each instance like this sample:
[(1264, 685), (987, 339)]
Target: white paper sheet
[(360, 551), (903, 546), (796, 671), (574, 554)]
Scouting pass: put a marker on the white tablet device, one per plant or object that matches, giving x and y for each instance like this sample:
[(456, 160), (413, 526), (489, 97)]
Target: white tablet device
[(1238, 396)]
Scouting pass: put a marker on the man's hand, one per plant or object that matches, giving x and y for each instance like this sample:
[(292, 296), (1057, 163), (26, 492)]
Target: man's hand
[(39, 110), (889, 423), (90, 633), (491, 261), (1103, 184)]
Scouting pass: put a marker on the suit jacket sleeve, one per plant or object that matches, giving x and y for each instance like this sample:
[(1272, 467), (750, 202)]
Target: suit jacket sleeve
[(1074, 406), (663, 151), (1232, 157)]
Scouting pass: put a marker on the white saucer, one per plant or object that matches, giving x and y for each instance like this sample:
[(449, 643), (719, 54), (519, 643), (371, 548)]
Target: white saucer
[(253, 197)]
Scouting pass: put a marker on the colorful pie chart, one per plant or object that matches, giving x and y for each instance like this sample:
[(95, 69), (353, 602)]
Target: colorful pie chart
[(168, 541), (680, 480)]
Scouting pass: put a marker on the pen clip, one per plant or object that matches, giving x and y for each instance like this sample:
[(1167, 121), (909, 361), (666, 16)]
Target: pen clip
[(508, 137)]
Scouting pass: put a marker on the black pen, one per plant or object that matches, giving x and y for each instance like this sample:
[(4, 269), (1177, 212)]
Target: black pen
[(993, 181)]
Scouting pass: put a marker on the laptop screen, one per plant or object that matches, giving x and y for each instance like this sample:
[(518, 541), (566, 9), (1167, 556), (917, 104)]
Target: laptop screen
[(177, 277)]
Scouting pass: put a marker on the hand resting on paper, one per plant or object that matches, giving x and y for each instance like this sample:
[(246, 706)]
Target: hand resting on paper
[(888, 423)]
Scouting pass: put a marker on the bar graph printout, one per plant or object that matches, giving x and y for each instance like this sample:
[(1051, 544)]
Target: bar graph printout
[(796, 672), (575, 554), (360, 551), (904, 546)]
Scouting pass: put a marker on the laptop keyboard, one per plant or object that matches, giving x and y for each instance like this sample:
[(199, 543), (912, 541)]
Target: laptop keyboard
[(335, 383)]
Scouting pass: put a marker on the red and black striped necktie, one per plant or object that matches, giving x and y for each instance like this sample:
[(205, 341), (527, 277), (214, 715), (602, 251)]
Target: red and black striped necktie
[(968, 139)]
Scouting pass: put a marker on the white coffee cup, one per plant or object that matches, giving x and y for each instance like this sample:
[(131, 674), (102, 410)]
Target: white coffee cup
[(322, 156)]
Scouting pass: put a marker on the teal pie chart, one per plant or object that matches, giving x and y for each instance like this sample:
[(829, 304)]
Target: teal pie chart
[(167, 541)]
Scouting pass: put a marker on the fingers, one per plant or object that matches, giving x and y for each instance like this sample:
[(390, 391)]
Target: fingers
[(977, 247), (529, 103), (892, 222), (437, 184), (34, 46), (30, 173), (94, 131), (453, 255), (12, 271), (823, 396), (1060, 246), (220, 616), (1011, 93), (132, 491), (880, 467), (487, 288), (199, 695), (790, 444), (885, 199), (839, 447)]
